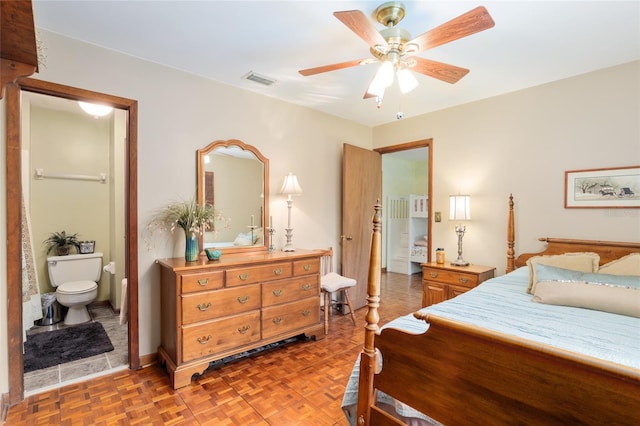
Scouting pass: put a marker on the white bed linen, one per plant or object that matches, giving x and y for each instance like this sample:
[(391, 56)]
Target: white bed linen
[(502, 304)]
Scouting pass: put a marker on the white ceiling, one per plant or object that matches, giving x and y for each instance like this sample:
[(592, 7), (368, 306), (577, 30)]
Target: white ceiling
[(533, 42)]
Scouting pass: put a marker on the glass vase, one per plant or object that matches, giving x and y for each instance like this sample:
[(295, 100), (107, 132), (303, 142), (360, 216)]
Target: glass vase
[(191, 250)]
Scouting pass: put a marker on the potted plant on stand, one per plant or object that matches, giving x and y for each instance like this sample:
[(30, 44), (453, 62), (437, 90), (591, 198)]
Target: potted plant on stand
[(193, 218), (61, 242)]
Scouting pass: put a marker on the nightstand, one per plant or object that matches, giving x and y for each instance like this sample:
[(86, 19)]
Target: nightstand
[(441, 282)]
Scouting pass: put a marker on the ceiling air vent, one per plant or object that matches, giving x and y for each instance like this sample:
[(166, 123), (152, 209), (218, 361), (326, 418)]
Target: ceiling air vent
[(259, 78)]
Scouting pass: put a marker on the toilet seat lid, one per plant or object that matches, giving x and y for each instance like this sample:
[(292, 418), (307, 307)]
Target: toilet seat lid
[(73, 287)]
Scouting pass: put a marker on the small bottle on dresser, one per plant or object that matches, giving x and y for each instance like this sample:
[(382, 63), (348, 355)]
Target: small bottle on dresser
[(440, 255)]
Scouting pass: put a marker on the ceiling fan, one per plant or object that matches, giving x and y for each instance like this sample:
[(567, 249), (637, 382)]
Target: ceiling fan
[(396, 50)]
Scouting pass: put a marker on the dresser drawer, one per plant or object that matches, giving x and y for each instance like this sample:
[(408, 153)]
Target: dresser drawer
[(220, 335), (306, 267), (282, 318), (450, 277), (283, 291), (202, 281), (221, 303), (254, 274)]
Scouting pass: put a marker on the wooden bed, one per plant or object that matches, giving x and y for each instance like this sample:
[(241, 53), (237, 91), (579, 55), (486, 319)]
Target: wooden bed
[(457, 373)]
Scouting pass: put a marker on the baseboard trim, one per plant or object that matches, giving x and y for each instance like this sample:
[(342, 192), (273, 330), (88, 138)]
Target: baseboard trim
[(149, 359), (103, 304)]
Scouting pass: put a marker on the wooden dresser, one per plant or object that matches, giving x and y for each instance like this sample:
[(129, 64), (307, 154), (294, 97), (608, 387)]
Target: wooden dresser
[(214, 309), (441, 282)]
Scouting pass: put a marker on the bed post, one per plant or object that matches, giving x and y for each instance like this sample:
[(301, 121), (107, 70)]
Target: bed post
[(511, 236), (368, 357)]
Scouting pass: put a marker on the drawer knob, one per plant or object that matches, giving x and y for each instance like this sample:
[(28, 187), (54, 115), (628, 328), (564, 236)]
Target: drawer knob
[(204, 340), (278, 271), (243, 330), (243, 299), (277, 293), (203, 307), (306, 267), (203, 281), (306, 313), (306, 286), (243, 277), (277, 320), (434, 274), (464, 280)]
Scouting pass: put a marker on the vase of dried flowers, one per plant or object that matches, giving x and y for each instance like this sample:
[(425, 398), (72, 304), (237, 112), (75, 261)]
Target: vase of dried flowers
[(191, 249), (193, 218)]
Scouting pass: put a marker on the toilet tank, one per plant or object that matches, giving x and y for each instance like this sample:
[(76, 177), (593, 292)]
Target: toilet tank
[(74, 267)]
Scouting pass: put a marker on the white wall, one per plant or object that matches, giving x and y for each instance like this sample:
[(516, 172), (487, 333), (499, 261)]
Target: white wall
[(522, 143), (67, 143)]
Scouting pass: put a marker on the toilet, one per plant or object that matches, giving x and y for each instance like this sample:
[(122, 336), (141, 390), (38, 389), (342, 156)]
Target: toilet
[(75, 279)]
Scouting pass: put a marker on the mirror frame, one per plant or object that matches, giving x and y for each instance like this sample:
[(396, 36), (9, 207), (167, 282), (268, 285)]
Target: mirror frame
[(265, 209)]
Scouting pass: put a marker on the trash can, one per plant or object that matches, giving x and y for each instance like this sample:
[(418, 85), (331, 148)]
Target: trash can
[(51, 310)]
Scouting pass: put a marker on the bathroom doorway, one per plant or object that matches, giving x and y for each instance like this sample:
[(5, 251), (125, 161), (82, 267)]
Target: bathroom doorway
[(124, 252)]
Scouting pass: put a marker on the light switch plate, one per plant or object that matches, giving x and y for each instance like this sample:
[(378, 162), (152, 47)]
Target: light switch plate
[(438, 216)]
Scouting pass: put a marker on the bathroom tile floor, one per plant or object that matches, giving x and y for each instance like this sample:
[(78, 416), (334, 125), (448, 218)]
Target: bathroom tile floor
[(83, 369)]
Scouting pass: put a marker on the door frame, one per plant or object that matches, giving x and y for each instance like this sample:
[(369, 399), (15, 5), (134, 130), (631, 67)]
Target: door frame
[(13, 197), (423, 143)]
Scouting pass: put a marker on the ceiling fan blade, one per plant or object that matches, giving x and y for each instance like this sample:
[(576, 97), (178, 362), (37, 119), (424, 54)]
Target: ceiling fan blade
[(362, 26), (368, 95), (332, 67), (472, 22), (444, 72)]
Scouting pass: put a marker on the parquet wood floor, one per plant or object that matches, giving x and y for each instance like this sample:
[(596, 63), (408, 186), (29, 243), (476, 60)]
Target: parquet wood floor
[(298, 384)]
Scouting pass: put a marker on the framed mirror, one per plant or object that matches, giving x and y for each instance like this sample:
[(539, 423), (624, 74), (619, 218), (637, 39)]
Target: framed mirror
[(233, 177)]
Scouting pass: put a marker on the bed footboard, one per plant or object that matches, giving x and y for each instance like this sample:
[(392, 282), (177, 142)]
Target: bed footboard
[(457, 373)]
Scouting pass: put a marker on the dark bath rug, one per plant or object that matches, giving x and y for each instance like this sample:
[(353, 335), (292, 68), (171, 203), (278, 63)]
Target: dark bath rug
[(68, 344)]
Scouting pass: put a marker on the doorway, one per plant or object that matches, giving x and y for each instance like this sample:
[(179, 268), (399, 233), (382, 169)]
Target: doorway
[(14, 190), (362, 178), (405, 196)]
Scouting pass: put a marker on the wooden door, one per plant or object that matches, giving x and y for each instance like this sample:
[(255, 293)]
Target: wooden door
[(361, 188)]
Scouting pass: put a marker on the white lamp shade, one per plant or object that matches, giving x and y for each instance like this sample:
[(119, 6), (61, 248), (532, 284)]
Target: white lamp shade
[(406, 80), (376, 89), (459, 207), (384, 76), (290, 186), (95, 110)]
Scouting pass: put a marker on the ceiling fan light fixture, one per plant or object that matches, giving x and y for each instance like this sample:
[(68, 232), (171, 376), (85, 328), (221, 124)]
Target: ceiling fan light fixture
[(384, 76), (95, 110), (396, 49), (406, 80)]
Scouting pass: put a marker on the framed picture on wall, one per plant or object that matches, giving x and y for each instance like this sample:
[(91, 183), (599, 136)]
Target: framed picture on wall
[(616, 187)]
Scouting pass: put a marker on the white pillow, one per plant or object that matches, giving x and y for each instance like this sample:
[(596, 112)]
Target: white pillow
[(627, 265), (597, 296)]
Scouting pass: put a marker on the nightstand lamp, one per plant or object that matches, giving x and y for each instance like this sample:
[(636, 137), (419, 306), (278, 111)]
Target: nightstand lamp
[(459, 209)]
